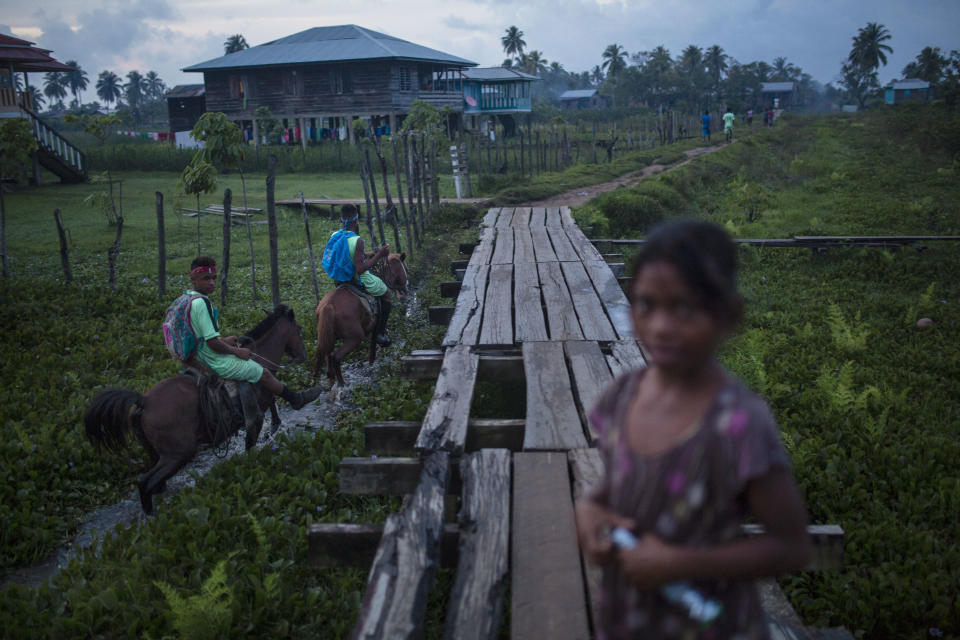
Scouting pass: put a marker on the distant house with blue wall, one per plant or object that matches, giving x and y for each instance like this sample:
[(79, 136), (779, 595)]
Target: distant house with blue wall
[(495, 91), (582, 99), (909, 90)]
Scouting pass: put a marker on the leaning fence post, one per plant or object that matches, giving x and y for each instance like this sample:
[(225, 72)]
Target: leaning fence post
[(225, 261), (161, 248), (272, 226), (313, 264), (373, 192), (64, 258), (403, 206), (114, 253)]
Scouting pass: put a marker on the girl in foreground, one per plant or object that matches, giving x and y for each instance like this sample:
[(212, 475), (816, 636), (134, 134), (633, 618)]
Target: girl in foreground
[(689, 453)]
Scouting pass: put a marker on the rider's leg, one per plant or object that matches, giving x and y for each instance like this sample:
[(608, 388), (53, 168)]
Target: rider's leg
[(381, 337), (297, 399)]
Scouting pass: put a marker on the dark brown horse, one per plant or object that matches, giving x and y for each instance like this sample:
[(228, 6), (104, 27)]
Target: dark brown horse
[(167, 419), (341, 315)]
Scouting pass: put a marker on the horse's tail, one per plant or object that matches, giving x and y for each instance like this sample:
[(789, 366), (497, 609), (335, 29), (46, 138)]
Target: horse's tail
[(110, 415), (326, 319)]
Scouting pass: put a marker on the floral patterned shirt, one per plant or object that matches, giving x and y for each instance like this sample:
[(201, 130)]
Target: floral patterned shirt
[(693, 494)]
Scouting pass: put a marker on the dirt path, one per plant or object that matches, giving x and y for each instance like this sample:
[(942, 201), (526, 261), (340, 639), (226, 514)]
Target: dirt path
[(579, 197)]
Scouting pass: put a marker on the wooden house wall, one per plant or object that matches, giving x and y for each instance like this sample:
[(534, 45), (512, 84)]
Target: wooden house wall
[(184, 112), (375, 90)]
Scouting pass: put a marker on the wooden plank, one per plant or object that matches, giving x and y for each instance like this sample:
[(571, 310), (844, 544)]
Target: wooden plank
[(542, 246), (505, 219), (561, 317), (583, 246), (426, 366), (590, 373), (552, 419), (440, 314), (586, 303), (490, 217), (497, 327), (349, 545), (484, 249), (547, 595), (375, 476), (523, 246), (503, 249), (398, 438), (537, 216), (445, 424), (476, 602), (449, 289), (527, 305), (625, 355), (562, 246), (466, 248), (465, 323), (521, 217), (611, 295), (402, 573), (552, 218), (565, 218), (587, 469)]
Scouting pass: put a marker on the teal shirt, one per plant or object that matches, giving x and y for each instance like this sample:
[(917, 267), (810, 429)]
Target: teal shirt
[(371, 283), (225, 365), (728, 119)]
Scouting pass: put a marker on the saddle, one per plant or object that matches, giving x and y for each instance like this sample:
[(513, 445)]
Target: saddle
[(372, 304), (226, 406)]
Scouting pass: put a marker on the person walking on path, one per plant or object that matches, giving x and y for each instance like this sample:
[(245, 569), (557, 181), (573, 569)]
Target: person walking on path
[(728, 119), (705, 126)]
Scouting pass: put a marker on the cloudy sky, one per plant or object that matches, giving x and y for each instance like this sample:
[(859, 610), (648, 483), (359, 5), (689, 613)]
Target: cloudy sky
[(167, 35)]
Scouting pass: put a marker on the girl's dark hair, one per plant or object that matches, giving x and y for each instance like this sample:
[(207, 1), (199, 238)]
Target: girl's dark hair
[(702, 253), (202, 261)]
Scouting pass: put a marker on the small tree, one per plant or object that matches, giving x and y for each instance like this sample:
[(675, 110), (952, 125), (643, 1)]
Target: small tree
[(16, 145), (198, 177), (100, 126)]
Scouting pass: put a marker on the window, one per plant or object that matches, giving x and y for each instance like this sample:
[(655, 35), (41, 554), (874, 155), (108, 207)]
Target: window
[(341, 81), (241, 87), (405, 82), (292, 83)]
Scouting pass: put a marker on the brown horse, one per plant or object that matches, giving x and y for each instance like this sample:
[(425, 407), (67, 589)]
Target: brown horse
[(167, 419), (342, 315)]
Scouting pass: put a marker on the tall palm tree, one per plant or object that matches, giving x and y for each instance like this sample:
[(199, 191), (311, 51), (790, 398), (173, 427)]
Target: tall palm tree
[(134, 88), (928, 65), (691, 60), (784, 71), (76, 79), (596, 75), (869, 50), (533, 62), (154, 85), (109, 87), (614, 59), (715, 60), (513, 43), (235, 43), (55, 86)]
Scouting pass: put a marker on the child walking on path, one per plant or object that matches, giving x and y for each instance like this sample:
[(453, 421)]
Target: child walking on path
[(705, 126), (728, 119), (223, 355), (689, 452)]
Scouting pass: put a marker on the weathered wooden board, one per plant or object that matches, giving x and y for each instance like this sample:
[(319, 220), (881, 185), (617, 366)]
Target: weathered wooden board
[(445, 423), (523, 246), (476, 602), (590, 311), (542, 246), (583, 246), (537, 216), (449, 289), (527, 304), (505, 219), (587, 469), (466, 321), (552, 419), (398, 438), (425, 365), (552, 218), (409, 553), (562, 246), (379, 476), (490, 217), (561, 317), (827, 541), (611, 295), (521, 217), (484, 249), (547, 598), (565, 218), (625, 355), (503, 249), (440, 314), (346, 545), (497, 327), (591, 375)]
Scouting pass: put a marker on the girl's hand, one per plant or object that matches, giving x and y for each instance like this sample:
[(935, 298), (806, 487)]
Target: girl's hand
[(243, 353), (230, 340), (594, 523), (650, 564)]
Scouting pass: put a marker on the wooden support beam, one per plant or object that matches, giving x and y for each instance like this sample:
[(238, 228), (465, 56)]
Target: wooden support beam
[(476, 602), (466, 248), (425, 365), (398, 438), (440, 315), (547, 597), (445, 424), (450, 289), (347, 545), (458, 264)]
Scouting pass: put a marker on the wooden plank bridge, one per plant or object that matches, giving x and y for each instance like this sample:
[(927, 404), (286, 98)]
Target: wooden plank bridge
[(537, 306)]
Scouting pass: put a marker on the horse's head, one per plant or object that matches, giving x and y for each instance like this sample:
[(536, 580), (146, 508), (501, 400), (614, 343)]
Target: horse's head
[(395, 274), (293, 344), (277, 334)]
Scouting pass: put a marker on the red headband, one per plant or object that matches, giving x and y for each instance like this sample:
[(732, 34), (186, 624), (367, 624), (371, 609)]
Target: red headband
[(200, 270)]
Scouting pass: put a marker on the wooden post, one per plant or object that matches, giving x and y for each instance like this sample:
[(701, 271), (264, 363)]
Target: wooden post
[(272, 226), (64, 258), (161, 248), (225, 261), (465, 170), (594, 143), (418, 158), (373, 191), (378, 149), (523, 171), (408, 176), (434, 175), (114, 253), (479, 164), (403, 206), (313, 264), (366, 194)]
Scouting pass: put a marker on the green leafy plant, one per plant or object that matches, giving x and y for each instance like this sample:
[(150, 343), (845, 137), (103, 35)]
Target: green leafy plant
[(924, 304), (207, 614), (16, 145), (847, 336), (198, 177)]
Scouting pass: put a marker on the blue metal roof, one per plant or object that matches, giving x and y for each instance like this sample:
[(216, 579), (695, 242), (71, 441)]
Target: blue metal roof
[(578, 94), (329, 44), (496, 73)]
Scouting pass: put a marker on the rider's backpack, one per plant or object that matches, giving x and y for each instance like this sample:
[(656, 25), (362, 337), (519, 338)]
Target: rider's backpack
[(337, 261), (178, 331)]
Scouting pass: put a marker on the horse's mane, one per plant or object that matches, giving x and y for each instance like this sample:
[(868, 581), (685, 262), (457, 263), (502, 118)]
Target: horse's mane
[(267, 323)]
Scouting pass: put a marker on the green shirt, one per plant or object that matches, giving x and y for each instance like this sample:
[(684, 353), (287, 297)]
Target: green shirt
[(728, 119), (371, 283), (224, 364)]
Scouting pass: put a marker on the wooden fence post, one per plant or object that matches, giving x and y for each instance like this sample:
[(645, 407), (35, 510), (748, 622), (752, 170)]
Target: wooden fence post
[(366, 194), (523, 170), (378, 149), (408, 175), (64, 258), (313, 263), (161, 248), (225, 261), (114, 253), (272, 226), (403, 206), (373, 192)]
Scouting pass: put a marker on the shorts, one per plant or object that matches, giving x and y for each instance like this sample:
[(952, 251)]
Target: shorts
[(233, 368)]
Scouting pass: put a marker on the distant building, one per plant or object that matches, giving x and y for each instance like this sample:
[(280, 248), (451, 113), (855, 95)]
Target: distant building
[(185, 105), (582, 99), (321, 79), (779, 95), (909, 90), (495, 91)]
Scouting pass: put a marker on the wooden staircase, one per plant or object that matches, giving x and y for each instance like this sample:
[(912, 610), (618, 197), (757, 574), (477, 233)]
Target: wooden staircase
[(55, 153)]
